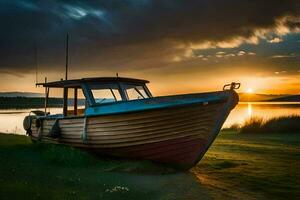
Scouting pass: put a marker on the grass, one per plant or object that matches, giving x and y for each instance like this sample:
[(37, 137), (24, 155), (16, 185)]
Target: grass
[(248, 166), (283, 124), (258, 125), (237, 166)]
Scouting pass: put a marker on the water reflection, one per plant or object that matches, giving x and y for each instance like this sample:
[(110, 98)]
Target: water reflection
[(249, 109), (11, 120)]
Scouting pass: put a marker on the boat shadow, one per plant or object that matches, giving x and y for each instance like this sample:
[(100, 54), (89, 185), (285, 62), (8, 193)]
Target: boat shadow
[(157, 179), (139, 177)]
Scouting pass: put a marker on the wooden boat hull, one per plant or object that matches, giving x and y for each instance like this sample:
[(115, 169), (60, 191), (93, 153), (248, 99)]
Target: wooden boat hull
[(177, 135)]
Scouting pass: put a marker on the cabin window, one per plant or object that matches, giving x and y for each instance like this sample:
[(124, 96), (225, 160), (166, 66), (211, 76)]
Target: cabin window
[(106, 93), (54, 101), (81, 99), (76, 105), (135, 92)]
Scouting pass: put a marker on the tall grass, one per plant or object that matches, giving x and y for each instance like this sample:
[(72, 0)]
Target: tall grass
[(283, 124)]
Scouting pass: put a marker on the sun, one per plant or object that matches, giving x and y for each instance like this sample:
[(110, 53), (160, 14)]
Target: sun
[(249, 91)]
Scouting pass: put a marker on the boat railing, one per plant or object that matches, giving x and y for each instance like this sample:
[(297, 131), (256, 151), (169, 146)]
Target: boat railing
[(232, 86)]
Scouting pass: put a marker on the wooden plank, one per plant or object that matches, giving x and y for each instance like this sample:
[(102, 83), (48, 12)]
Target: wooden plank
[(158, 124), (131, 136), (147, 114), (150, 119), (142, 140)]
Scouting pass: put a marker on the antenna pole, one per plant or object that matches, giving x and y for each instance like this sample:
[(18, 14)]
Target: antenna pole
[(36, 62), (46, 96), (67, 57)]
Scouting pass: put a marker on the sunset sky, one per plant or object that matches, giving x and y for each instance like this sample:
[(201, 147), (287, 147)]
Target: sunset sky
[(180, 46)]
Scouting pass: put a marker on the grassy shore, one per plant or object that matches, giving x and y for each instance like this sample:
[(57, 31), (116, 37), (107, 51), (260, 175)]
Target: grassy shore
[(257, 125), (237, 166)]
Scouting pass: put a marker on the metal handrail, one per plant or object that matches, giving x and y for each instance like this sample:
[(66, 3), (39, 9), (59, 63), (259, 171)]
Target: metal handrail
[(232, 86)]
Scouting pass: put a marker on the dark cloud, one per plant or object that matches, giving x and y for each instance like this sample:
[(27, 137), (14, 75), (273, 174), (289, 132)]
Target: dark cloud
[(3, 72), (133, 32)]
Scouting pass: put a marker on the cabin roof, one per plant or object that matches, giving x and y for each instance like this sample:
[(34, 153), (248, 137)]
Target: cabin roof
[(76, 83)]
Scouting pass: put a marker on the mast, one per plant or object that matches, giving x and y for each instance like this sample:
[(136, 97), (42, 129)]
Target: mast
[(65, 106), (67, 57), (36, 62)]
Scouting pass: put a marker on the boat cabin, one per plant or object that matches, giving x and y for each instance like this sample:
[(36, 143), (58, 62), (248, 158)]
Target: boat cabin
[(96, 92)]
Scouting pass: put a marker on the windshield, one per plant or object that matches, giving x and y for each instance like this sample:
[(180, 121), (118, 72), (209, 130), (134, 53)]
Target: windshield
[(113, 92), (135, 92), (105, 93)]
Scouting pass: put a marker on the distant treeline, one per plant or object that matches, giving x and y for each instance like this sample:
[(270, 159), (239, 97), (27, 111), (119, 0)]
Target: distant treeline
[(28, 102), (245, 97)]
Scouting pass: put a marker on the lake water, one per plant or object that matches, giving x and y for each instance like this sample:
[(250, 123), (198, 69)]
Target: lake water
[(265, 110), (12, 119)]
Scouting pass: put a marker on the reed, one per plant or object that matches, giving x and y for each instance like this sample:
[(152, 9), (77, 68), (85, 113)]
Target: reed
[(233, 128), (283, 124)]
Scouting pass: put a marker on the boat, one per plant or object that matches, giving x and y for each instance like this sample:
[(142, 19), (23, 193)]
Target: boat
[(119, 117)]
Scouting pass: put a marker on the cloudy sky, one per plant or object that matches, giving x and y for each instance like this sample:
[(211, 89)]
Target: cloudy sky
[(180, 46)]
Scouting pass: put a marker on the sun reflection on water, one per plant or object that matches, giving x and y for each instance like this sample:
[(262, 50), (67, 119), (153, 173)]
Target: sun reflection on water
[(249, 109), (266, 110)]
